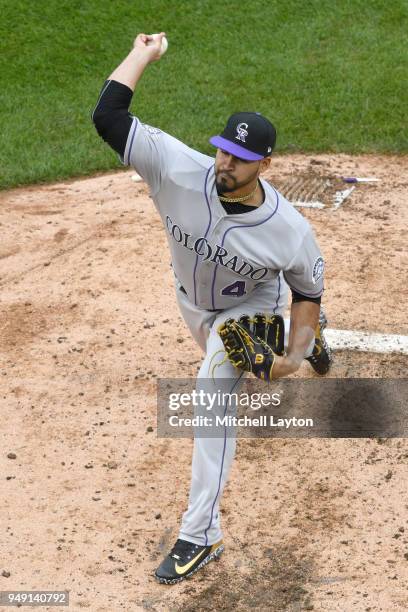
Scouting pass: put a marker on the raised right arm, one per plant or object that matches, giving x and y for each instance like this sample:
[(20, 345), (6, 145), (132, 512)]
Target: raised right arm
[(111, 115)]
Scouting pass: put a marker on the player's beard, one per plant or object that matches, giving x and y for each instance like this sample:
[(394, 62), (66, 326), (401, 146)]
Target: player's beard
[(227, 185)]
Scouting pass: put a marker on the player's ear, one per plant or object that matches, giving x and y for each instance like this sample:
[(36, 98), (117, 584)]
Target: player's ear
[(264, 164)]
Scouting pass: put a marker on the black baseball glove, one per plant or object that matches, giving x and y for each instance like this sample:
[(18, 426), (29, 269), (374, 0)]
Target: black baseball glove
[(251, 344)]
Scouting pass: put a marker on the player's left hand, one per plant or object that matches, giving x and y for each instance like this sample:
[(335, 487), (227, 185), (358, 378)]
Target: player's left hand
[(253, 345)]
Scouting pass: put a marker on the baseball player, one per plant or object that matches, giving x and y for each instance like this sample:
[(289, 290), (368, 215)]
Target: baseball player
[(237, 247)]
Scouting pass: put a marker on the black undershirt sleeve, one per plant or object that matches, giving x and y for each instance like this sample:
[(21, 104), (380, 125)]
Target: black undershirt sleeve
[(298, 297), (111, 116)]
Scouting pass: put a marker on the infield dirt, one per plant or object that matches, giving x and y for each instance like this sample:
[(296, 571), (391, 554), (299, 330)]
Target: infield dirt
[(92, 499)]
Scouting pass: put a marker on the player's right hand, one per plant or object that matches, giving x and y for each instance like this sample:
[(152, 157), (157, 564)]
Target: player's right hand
[(148, 46)]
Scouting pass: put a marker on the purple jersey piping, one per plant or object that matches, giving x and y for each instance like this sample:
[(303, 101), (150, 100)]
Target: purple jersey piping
[(278, 296), (131, 142), (222, 463), (205, 235), (241, 227)]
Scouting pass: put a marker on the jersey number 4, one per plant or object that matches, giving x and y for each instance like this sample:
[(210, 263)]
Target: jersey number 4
[(236, 289)]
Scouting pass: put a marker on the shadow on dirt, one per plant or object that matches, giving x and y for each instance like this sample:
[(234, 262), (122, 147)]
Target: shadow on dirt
[(274, 582)]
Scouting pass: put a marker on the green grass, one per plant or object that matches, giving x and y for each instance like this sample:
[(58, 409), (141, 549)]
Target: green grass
[(330, 74)]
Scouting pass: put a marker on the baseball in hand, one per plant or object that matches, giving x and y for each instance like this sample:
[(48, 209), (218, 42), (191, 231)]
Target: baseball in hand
[(164, 44)]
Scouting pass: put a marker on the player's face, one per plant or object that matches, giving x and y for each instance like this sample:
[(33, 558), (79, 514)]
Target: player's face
[(233, 173)]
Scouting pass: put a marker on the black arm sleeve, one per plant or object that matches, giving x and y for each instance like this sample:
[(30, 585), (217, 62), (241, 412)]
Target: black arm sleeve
[(111, 116), (298, 297)]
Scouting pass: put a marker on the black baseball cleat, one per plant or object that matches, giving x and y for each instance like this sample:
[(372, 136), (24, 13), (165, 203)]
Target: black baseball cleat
[(185, 559), (321, 359)]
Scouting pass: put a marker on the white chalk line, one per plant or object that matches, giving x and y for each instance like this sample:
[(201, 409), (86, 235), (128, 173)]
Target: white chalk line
[(366, 341), (314, 204)]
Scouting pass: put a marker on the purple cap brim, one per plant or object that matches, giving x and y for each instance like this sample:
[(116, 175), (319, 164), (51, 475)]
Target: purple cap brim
[(234, 149)]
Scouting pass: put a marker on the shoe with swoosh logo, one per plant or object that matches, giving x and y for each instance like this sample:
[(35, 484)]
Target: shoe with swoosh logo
[(321, 359), (185, 559)]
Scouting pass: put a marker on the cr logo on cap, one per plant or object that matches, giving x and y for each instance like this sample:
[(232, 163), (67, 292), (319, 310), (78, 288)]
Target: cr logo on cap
[(242, 132)]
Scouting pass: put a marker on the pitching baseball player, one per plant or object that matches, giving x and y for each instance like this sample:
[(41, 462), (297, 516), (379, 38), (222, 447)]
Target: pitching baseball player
[(237, 247)]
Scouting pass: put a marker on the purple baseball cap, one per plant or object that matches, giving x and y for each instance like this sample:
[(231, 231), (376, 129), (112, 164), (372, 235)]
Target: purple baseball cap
[(249, 136)]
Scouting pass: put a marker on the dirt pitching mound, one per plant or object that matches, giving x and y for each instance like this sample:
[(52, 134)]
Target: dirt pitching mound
[(92, 499)]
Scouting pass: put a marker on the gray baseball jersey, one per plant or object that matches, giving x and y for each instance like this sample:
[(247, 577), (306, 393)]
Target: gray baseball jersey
[(222, 261), (221, 258)]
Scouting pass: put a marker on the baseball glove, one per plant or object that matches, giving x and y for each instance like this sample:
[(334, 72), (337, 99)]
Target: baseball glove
[(251, 344)]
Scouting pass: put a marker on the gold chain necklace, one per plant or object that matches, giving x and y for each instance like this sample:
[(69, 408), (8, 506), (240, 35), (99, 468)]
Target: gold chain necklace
[(236, 200)]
